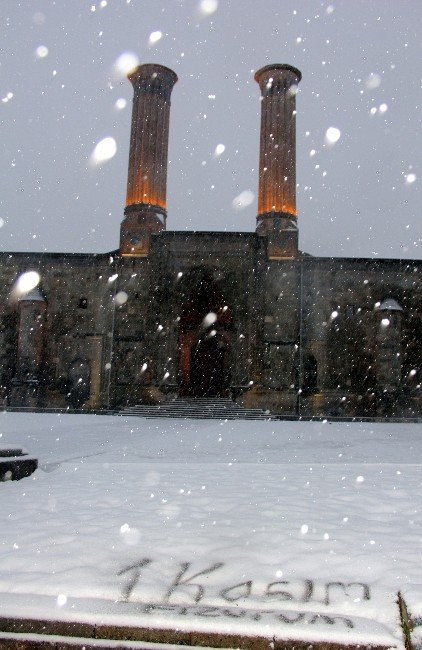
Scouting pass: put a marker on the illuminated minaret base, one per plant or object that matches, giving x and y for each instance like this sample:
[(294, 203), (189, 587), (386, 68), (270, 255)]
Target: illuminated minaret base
[(146, 208), (277, 159)]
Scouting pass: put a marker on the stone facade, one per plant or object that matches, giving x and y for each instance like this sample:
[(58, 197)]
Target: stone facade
[(245, 315), (296, 336)]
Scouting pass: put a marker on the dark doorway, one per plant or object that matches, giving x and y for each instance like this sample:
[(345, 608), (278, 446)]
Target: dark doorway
[(205, 337), (310, 375), (207, 369), (79, 379)]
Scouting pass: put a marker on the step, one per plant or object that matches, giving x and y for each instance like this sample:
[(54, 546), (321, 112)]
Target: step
[(203, 416), (215, 409), (32, 634), (197, 408), (195, 412), (188, 407)]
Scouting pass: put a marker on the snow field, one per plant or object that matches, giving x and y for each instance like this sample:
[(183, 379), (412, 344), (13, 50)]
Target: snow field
[(286, 529)]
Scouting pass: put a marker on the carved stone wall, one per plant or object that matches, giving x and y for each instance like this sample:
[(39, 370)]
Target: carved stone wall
[(300, 336)]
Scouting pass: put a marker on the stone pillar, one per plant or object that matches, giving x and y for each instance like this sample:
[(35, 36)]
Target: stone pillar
[(95, 354), (388, 358), (389, 315), (146, 209), (31, 334), (277, 159)]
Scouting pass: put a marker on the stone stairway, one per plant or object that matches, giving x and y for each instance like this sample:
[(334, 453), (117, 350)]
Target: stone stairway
[(210, 408)]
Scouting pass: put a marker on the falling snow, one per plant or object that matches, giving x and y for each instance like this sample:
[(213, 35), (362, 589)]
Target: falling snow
[(208, 7), (126, 63), (41, 52), (332, 135), (121, 103), (104, 150), (243, 199), (26, 282), (154, 37)]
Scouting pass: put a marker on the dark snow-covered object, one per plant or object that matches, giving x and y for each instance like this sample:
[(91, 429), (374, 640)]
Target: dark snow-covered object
[(14, 465)]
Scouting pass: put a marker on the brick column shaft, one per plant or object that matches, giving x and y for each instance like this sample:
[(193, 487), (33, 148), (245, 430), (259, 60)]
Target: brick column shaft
[(146, 209), (277, 159)]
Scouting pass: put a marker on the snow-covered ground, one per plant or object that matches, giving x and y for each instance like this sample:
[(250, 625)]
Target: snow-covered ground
[(284, 529)]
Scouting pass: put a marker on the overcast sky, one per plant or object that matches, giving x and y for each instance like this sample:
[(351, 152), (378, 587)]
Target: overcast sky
[(361, 62)]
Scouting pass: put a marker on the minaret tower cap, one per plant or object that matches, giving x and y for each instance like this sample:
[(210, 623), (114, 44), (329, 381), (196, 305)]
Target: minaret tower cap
[(284, 67), (151, 71)]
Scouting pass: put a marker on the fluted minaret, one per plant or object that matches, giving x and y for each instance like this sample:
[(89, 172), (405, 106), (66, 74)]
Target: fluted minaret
[(277, 159), (146, 209)]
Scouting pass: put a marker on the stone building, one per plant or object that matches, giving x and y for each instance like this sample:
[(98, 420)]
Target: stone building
[(246, 315)]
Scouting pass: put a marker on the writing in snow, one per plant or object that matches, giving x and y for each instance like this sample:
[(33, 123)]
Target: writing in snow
[(185, 590)]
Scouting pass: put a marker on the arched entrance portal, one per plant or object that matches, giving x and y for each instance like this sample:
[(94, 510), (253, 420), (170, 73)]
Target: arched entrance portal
[(205, 334)]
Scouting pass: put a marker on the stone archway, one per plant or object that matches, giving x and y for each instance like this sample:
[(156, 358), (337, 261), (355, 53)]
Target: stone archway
[(205, 337)]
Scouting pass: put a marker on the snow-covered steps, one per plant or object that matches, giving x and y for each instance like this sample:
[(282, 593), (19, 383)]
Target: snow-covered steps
[(217, 408), (28, 634), (15, 463)]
